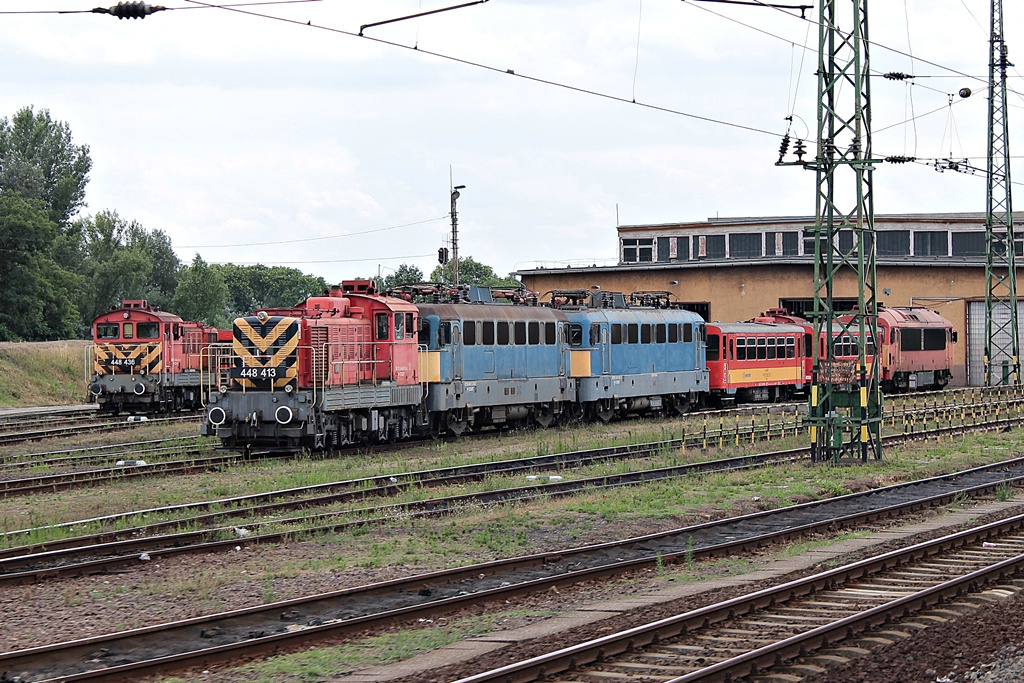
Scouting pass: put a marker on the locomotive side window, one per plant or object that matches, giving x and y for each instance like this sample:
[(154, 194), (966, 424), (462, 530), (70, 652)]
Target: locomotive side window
[(645, 334), (550, 336), (934, 340), (616, 333), (762, 348), (892, 335), (741, 348), (673, 334), (790, 347), (520, 333), (382, 326), (533, 330), (659, 333), (632, 334), (148, 330), (712, 351), (687, 332), (444, 333), (108, 331), (772, 346), (129, 331), (399, 326), (488, 333), (595, 334), (469, 332), (410, 323), (502, 333), (424, 338)]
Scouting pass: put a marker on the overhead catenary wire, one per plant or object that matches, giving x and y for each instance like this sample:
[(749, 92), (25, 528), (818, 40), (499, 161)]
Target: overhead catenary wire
[(164, 8)]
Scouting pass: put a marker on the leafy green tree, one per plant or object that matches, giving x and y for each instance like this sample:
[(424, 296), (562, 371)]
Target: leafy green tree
[(472, 272), (40, 161), (201, 294), (121, 260), (37, 291), (404, 274)]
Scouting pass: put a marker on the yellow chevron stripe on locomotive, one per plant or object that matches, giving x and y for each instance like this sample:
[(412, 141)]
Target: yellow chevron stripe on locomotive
[(126, 359), (266, 352)]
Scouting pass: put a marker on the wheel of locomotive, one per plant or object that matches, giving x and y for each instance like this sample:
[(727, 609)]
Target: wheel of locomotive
[(604, 410), (456, 421), (544, 414), (572, 412), (681, 405)]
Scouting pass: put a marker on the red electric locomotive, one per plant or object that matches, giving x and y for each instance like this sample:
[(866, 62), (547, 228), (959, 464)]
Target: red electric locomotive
[(147, 360), (757, 361), (917, 349), (333, 370)]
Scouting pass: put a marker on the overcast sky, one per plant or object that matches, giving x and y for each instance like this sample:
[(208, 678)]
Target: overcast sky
[(228, 130)]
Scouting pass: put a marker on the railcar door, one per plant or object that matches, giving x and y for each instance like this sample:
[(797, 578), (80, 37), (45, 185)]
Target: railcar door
[(457, 356)]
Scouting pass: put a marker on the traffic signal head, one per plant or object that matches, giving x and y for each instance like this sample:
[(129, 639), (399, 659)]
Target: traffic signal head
[(442, 255)]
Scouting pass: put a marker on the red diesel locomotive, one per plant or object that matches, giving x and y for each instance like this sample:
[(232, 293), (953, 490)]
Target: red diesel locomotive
[(143, 359)]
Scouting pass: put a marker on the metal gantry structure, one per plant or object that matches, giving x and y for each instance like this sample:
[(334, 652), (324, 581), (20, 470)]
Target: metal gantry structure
[(845, 405), (1002, 345)]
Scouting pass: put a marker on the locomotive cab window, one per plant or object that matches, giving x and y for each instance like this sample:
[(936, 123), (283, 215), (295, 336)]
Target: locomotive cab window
[(595, 334), (444, 334), (108, 331), (399, 326), (424, 337), (129, 331), (147, 330), (575, 333), (382, 326)]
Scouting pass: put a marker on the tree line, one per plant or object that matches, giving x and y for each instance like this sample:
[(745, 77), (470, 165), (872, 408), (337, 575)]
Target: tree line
[(59, 270)]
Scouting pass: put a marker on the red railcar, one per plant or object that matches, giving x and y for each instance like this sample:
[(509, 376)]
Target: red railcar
[(334, 369), (757, 361), (147, 360)]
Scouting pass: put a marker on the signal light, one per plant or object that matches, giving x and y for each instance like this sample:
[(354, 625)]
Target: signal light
[(130, 10), (442, 255)]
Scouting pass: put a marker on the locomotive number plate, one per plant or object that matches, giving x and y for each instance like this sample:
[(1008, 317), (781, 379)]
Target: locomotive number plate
[(257, 373)]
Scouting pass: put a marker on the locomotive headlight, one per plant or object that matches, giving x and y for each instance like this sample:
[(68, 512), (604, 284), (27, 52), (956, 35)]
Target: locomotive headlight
[(222, 389), (217, 416), (262, 316), (289, 389), (283, 415)]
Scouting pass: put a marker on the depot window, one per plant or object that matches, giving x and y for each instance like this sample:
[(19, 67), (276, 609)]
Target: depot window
[(147, 330), (108, 331), (638, 251)]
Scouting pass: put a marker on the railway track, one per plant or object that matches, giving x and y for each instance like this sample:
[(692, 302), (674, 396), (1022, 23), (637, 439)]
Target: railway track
[(20, 433), (261, 629), (789, 631), (243, 520)]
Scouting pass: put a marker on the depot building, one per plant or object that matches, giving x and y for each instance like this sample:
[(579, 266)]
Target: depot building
[(732, 269)]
